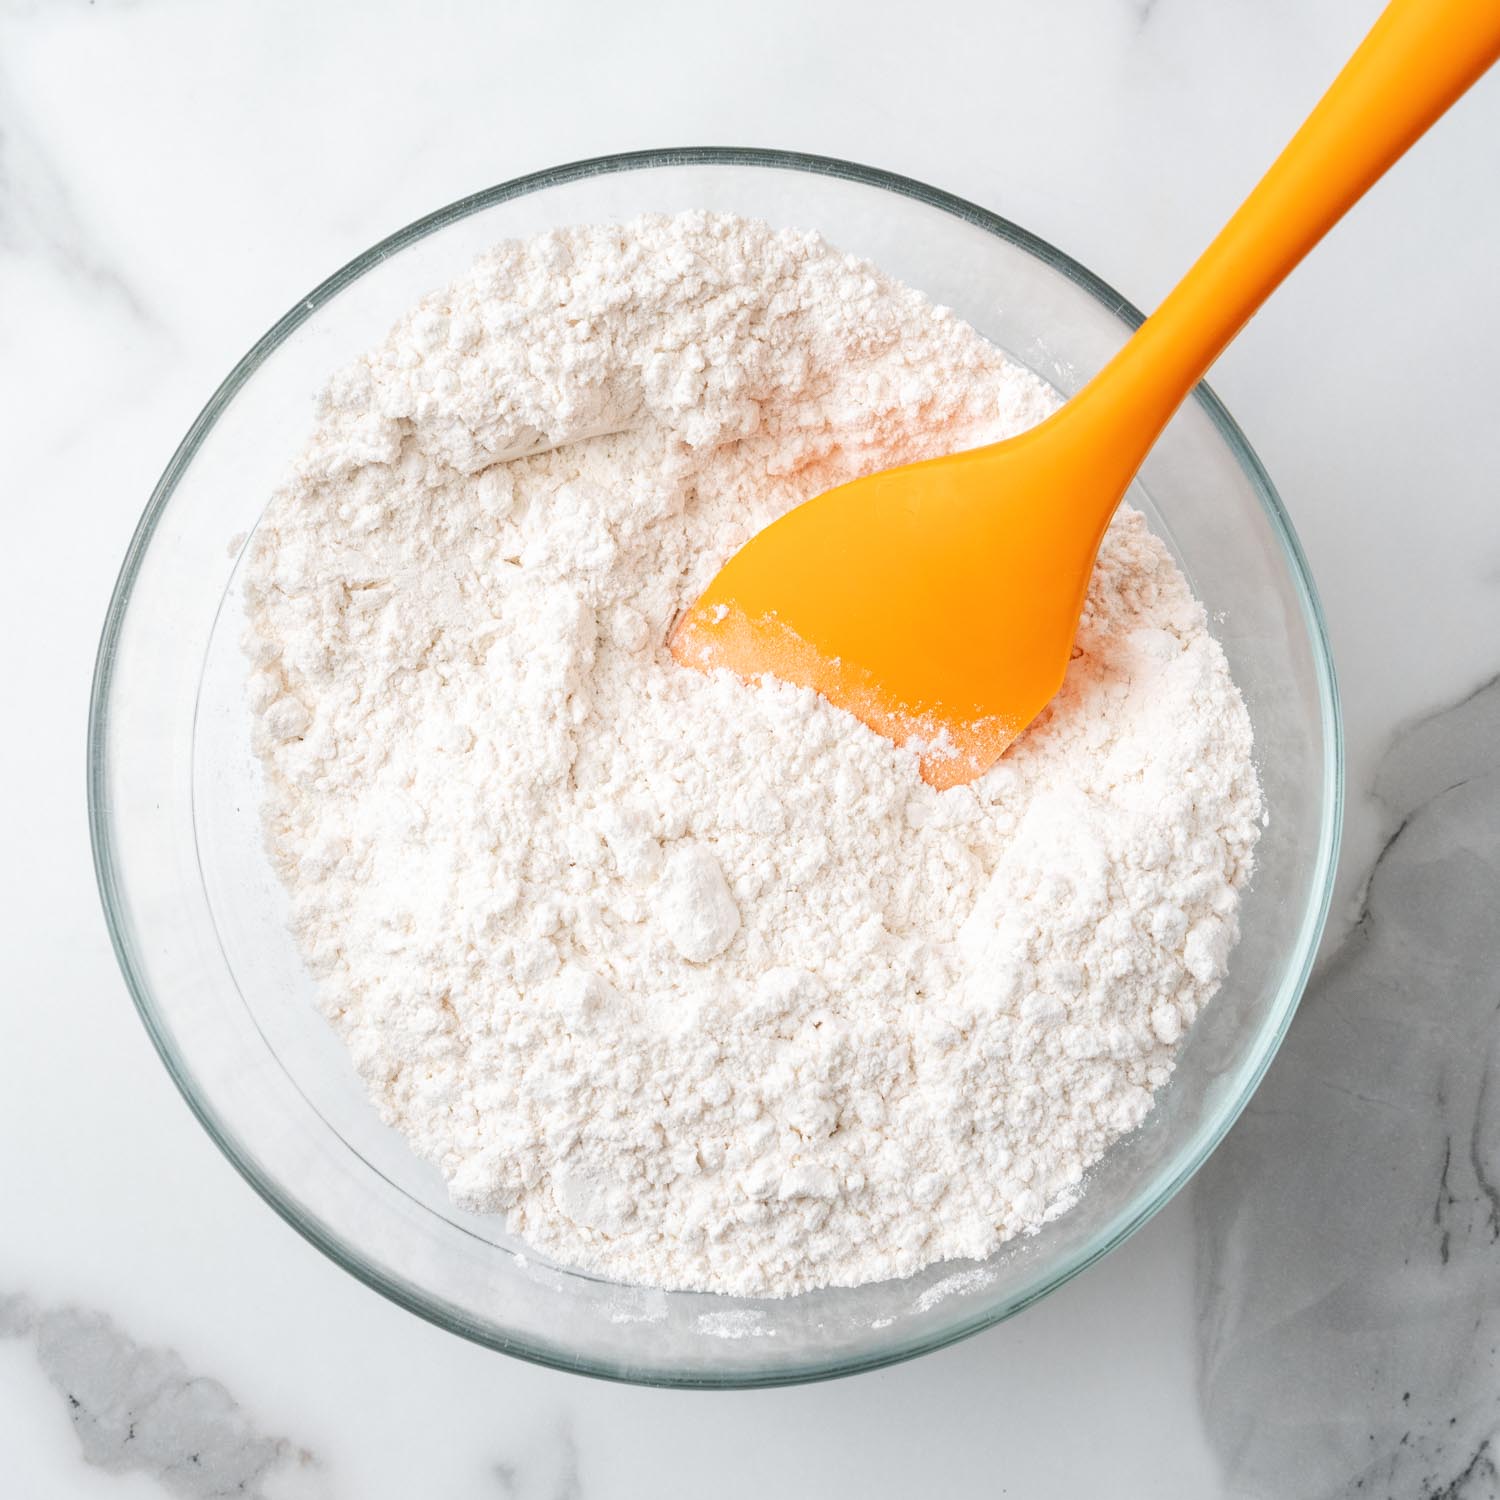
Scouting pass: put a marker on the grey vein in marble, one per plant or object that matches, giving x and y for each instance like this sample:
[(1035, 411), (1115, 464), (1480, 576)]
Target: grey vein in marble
[(554, 1475), (38, 215), (1349, 1282), (140, 1408)]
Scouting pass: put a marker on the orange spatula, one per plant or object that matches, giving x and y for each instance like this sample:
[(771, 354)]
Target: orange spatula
[(938, 602)]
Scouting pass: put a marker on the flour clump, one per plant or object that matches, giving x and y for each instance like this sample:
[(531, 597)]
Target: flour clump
[(696, 982)]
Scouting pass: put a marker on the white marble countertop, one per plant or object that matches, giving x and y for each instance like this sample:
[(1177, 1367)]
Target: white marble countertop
[(1319, 1314)]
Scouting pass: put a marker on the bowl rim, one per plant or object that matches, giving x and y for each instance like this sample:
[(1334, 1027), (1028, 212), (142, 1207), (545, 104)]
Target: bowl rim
[(414, 1298)]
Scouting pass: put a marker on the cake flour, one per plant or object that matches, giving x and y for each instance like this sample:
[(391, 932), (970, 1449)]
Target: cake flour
[(694, 981)]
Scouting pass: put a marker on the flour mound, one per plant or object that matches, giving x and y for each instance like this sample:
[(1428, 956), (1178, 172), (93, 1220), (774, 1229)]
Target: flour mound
[(696, 982)]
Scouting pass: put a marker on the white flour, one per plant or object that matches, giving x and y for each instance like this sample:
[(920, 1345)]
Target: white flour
[(697, 982)]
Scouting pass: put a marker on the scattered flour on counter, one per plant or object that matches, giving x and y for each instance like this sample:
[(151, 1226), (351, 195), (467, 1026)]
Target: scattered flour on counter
[(696, 982)]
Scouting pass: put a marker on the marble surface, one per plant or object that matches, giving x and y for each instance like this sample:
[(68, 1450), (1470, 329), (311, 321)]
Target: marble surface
[(1319, 1314)]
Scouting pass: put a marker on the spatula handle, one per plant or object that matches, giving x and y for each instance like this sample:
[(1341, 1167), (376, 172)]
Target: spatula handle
[(1419, 58)]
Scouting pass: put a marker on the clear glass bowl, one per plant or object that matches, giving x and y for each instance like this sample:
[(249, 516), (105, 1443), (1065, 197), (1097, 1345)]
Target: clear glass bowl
[(197, 918)]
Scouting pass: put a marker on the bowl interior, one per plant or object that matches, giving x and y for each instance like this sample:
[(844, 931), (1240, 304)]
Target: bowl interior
[(199, 919)]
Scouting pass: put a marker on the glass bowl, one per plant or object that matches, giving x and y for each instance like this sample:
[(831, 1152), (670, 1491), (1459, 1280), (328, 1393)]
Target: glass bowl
[(198, 920)]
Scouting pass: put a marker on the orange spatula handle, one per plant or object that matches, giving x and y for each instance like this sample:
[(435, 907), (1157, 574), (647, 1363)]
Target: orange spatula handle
[(1418, 59)]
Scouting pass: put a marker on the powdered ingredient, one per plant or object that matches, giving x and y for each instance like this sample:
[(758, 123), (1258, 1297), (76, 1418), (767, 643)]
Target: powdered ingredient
[(695, 981)]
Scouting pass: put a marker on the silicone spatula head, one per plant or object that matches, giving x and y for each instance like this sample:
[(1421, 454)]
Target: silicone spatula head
[(934, 602)]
